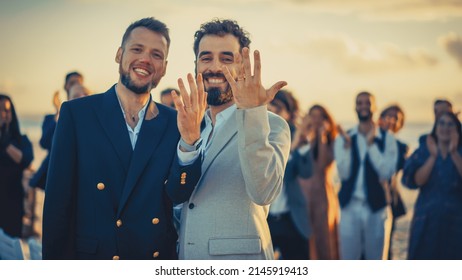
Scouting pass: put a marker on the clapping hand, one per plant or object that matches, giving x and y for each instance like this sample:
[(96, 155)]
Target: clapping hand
[(191, 108), (248, 90), (346, 137), (301, 134), (431, 145), (371, 135), (454, 142)]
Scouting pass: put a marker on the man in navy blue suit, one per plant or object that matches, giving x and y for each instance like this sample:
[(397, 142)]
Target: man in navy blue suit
[(114, 167)]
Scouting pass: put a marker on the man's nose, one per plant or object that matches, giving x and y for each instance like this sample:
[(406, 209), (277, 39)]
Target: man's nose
[(145, 57), (216, 66)]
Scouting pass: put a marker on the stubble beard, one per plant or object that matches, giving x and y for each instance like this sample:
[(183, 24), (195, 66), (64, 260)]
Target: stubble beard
[(127, 81)]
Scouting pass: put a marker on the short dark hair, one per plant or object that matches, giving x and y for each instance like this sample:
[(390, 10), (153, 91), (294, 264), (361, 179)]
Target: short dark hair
[(395, 107), (221, 27), (168, 91), (70, 74), (151, 24), (288, 100), (442, 101), (364, 93)]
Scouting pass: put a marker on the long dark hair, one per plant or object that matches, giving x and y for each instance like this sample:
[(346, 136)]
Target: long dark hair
[(331, 134), (14, 125), (455, 119)]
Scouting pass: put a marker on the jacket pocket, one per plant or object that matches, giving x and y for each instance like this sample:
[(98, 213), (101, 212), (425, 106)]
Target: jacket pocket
[(235, 246), (86, 245)]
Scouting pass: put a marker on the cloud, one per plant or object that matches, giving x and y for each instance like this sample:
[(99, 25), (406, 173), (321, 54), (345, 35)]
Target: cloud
[(452, 43), (390, 10), (362, 57)]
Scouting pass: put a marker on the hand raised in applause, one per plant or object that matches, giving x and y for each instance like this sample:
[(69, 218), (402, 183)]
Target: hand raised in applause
[(371, 135), (248, 90), (191, 108), (323, 130), (454, 142), (345, 136), (431, 146), (301, 134)]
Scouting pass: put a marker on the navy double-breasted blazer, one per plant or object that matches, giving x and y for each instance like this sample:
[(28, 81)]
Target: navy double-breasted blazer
[(103, 199)]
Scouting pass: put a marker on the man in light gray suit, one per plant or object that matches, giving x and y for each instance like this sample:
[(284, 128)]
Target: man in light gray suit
[(244, 147)]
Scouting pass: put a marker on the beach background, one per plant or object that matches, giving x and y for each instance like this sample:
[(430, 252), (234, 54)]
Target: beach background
[(31, 126)]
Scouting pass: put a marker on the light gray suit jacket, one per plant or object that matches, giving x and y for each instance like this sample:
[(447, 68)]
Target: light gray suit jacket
[(242, 173)]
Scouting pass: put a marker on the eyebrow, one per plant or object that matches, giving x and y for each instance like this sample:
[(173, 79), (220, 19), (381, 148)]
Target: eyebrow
[(209, 52)]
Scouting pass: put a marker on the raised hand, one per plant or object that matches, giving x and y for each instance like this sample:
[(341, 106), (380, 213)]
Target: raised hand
[(301, 134), (56, 101), (323, 131), (248, 90), (371, 135), (431, 145), (346, 137), (191, 108), (454, 142)]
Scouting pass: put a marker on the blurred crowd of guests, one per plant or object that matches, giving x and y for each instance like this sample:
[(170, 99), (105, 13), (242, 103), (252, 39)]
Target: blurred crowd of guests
[(340, 198)]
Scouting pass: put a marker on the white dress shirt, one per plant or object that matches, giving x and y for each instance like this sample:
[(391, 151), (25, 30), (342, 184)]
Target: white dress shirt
[(383, 163)]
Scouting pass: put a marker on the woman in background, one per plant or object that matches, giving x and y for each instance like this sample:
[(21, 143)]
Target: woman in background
[(319, 130), (15, 155), (435, 168)]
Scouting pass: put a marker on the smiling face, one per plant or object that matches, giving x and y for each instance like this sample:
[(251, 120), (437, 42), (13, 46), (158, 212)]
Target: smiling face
[(365, 107), (213, 53), (317, 118), (142, 60), (445, 127), (395, 120), (73, 80)]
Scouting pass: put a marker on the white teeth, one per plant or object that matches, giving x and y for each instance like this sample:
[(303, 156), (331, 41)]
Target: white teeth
[(215, 81), (141, 71)]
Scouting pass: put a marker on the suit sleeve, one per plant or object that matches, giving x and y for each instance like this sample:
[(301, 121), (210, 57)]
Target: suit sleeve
[(264, 146), (342, 157), (412, 164), (27, 152), (183, 179), (48, 129), (59, 206)]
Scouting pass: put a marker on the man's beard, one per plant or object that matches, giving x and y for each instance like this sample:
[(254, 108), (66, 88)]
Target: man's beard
[(364, 118), (128, 83), (215, 95)]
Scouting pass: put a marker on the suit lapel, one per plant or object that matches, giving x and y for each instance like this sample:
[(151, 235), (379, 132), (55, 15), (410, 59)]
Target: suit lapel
[(151, 133), (113, 123)]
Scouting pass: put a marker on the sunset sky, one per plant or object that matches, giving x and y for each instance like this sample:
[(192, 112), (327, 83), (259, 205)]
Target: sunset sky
[(404, 51)]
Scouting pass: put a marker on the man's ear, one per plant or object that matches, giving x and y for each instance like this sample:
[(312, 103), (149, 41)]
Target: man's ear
[(165, 68), (119, 53)]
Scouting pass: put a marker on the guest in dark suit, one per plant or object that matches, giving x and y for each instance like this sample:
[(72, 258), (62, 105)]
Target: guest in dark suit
[(48, 129), (113, 158), (16, 154)]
